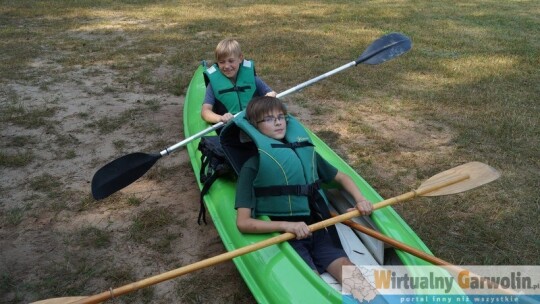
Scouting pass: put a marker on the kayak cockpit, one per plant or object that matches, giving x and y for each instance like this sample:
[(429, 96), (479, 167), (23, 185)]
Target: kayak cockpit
[(361, 249)]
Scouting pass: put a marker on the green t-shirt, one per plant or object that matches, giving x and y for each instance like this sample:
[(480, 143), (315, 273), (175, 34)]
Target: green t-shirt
[(245, 196)]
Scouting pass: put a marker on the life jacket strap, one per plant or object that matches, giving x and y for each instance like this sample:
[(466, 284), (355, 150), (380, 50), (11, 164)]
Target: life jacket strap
[(235, 89), (300, 190), (293, 145)]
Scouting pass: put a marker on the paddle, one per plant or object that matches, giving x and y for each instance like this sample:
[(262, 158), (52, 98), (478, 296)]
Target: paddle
[(432, 259), (458, 179), (125, 170), (394, 243)]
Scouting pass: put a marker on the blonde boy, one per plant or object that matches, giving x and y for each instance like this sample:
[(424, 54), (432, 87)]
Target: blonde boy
[(232, 83)]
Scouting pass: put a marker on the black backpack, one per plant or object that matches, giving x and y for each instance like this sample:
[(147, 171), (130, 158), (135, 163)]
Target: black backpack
[(214, 164)]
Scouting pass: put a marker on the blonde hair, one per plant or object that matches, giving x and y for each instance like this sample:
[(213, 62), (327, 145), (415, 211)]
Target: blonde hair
[(227, 47), (260, 106)]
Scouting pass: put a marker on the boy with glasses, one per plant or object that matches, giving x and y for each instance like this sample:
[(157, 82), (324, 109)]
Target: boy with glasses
[(283, 182)]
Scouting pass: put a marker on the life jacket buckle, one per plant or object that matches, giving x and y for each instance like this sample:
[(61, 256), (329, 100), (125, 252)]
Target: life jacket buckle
[(303, 190), (309, 190)]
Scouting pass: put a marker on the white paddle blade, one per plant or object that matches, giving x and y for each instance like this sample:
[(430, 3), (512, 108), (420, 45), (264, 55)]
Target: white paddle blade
[(478, 174)]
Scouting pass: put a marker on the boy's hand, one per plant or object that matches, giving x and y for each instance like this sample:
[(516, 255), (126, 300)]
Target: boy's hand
[(271, 94), (226, 117), (300, 229), (364, 206)]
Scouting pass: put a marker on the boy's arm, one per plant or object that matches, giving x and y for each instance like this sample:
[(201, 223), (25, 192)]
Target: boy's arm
[(207, 113), (247, 224), (364, 206), (210, 117), (263, 88)]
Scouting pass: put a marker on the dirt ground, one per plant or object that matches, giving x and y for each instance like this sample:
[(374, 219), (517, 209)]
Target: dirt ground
[(55, 239)]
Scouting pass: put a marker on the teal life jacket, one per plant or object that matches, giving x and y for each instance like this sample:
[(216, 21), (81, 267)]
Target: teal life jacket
[(287, 174), (232, 98)]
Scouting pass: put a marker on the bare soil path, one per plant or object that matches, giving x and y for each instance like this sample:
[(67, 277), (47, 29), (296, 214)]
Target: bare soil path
[(55, 239)]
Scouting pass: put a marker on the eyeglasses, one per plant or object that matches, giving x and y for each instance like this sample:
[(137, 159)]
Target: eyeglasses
[(273, 119)]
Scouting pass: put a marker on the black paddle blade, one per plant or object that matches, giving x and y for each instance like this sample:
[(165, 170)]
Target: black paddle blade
[(385, 48), (121, 172)]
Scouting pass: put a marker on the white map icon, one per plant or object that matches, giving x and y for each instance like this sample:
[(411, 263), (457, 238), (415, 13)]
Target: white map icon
[(359, 282)]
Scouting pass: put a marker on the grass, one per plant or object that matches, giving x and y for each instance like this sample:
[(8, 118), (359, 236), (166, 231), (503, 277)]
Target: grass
[(93, 237), (25, 117), (16, 160), (78, 271), (45, 183), (134, 201), (150, 227), (131, 117), (15, 216), (467, 91)]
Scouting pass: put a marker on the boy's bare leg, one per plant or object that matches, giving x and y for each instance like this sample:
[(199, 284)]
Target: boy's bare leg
[(335, 268)]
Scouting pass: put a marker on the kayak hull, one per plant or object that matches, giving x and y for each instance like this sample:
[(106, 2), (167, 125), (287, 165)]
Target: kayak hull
[(277, 274)]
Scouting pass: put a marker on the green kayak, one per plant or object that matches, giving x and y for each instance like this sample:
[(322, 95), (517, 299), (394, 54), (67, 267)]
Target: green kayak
[(276, 274)]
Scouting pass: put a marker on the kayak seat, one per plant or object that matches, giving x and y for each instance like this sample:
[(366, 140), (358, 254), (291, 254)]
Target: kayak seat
[(341, 201), (238, 146)]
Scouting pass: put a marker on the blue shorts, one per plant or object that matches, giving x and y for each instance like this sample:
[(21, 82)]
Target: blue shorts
[(318, 250)]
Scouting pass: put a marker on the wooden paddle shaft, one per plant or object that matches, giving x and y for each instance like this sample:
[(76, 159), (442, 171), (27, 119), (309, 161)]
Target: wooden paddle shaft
[(424, 256), (395, 243), (186, 269), (390, 201), (253, 247), (272, 241)]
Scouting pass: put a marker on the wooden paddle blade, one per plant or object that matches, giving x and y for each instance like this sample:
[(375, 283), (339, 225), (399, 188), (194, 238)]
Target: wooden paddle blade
[(478, 174), (385, 48), (64, 300), (121, 172)]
